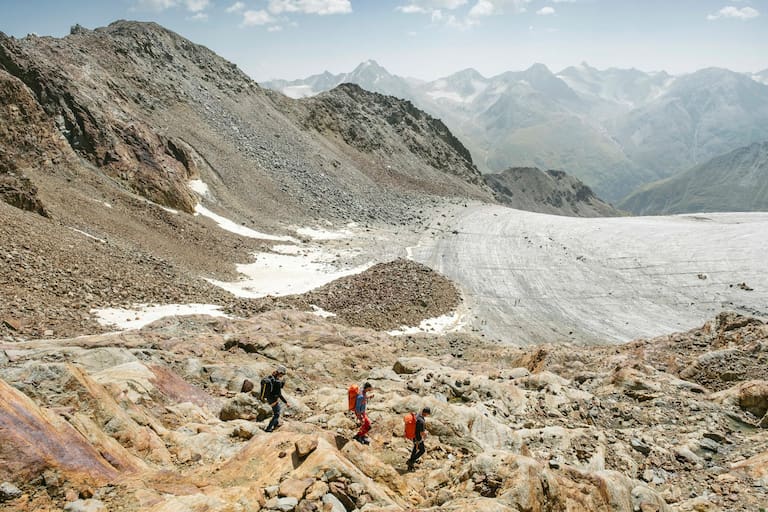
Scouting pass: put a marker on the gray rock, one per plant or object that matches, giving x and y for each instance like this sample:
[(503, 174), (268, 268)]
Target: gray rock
[(640, 446), (8, 491), (335, 503), (286, 504), (85, 506)]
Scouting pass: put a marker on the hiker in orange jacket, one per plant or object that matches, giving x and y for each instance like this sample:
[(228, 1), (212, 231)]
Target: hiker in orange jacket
[(362, 415), (418, 439)]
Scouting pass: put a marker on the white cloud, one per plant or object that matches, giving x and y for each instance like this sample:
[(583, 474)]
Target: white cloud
[(494, 7), (429, 6), (546, 11), (411, 9), (730, 11), (235, 7), (155, 5), (199, 16), (274, 28), (197, 5), (321, 7), (252, 18), (470, 18), (482, 8)]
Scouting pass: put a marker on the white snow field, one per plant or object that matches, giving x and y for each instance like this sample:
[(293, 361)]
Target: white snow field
[(532, 278), (144, 314)]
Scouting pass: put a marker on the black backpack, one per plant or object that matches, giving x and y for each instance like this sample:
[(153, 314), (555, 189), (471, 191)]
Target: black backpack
[(266, 389)]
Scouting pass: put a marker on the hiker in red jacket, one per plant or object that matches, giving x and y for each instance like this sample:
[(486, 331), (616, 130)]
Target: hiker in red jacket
[(362, 415), (418, 439)]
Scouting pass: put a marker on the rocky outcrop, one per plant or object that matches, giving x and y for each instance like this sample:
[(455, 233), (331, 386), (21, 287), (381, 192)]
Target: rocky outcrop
[(555, 192), (98, 121), (388, 296), (398, 135)]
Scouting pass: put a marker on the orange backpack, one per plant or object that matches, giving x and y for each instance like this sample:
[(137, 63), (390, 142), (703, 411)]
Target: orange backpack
[(352, 393), (410, 425)]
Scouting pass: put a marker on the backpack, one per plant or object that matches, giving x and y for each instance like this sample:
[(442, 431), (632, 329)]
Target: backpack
[(410, 425), (266, 389), (352, 393)]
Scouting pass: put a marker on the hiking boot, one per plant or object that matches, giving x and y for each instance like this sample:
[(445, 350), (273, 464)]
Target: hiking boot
[(409, 466), (365, 440)]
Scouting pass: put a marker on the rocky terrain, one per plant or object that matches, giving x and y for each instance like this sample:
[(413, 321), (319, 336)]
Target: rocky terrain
[(154, 420), (555, 192)]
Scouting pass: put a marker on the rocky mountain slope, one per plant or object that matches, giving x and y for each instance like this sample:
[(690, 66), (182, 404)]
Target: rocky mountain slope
[(116, 137), (153, 420), (736, 181), (554, 192), (115, 93), (614, 129)]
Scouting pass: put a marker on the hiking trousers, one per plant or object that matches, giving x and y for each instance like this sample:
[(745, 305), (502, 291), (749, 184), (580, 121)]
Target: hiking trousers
[(365, 425), (418, 451), (275, 417)]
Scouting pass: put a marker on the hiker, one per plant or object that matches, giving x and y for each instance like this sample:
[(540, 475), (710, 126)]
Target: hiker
[(362, 415), (419, 437), (272, 393)]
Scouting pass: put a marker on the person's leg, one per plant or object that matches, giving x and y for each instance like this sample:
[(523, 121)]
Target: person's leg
[(365, 427), (413, 456), (418, 451), (275, 417), (422, 450)]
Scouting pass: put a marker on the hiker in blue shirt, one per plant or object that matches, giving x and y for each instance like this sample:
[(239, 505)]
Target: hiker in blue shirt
[(362, 415)]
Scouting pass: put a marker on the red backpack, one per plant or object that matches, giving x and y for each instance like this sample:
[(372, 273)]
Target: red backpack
[(410, 425), (352, 393)]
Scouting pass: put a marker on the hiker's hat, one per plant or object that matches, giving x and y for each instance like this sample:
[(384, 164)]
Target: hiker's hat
[(281, 369)]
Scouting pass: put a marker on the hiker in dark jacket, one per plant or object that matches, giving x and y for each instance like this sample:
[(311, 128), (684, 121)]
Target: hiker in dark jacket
[(273, 394), (361, 414), (418, 439)]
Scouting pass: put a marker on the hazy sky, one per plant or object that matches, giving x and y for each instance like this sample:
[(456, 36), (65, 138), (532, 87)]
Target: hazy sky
[(431, 38)]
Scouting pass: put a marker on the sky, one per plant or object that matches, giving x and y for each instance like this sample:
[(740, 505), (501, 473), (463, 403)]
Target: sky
[(428, 39)]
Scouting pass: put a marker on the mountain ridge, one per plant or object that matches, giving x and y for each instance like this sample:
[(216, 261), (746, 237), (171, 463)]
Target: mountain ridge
[(619, 119), (737, 180)]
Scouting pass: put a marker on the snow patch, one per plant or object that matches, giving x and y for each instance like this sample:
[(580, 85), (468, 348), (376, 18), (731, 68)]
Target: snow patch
[(145, 314), (286, 274), (286, 249), (237, 229), (322, 234), (438, 325), (88, 235), (199, 187), (316, 310)]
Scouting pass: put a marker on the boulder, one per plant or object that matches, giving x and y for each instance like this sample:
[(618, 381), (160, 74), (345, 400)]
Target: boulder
[(294, 488), (305, 446), (8, 491)]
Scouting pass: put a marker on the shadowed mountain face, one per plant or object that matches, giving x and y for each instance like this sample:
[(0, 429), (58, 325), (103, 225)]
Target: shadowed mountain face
[(615, 129), (736, 181), (555, 192)]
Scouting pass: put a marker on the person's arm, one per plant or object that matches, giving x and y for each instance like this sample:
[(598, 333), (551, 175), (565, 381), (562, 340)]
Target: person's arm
[(280, 391), (360, 405)]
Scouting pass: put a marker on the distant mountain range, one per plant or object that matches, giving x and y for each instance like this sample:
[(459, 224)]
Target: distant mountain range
[(615, 129), (736, 181)]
